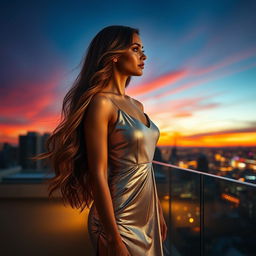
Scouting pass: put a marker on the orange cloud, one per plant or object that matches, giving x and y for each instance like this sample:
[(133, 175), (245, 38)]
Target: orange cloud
[(236, 137), (29, 108), (158, 82)]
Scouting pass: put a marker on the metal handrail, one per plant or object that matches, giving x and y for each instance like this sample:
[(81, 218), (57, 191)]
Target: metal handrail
[(207, 174)]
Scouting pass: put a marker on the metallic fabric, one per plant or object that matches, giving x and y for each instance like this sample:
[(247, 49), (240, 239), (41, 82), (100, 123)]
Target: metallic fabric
[(132, 185)]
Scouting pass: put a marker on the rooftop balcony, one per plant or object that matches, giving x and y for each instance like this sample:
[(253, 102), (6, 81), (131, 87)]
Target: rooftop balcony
[(206, 215)]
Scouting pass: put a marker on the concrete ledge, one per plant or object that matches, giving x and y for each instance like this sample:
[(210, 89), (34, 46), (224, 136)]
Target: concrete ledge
[(25, 191), (9, 171)]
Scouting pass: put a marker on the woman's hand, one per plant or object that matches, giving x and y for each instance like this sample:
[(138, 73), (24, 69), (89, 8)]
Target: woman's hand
[(163, 225), (117, 248)]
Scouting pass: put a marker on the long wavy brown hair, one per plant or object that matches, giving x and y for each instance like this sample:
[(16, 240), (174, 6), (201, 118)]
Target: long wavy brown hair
[(65, 147)]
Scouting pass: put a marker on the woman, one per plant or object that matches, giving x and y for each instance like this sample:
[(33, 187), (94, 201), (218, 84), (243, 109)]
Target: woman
[(103, 148)]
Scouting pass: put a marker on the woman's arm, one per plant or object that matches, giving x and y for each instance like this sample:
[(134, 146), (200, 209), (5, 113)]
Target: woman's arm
[(98, 115)]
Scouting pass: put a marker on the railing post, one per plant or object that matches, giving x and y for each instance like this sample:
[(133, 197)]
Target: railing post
[(201, 215)]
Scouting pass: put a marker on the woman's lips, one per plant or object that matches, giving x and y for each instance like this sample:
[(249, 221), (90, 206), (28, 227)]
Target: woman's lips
[(141, 66)]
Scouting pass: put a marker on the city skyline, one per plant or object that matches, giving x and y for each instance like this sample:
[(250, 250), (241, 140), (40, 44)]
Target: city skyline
[(198, 81)]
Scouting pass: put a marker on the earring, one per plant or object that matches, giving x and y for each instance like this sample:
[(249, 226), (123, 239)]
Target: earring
[(115, 59)]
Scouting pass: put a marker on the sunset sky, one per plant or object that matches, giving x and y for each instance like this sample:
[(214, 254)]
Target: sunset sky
[(199, 81)]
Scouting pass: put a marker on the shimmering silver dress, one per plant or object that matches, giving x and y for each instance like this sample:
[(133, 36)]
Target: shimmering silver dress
[(132, 185)]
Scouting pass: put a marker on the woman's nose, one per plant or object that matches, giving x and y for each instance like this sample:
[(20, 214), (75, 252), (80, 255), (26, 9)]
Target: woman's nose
[(144, 57)]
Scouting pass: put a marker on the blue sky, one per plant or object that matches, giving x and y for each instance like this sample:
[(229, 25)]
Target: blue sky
[(201, 60)]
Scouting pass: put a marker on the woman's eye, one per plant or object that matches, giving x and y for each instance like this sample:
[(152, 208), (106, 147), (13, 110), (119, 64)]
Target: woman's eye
[(136, 50)]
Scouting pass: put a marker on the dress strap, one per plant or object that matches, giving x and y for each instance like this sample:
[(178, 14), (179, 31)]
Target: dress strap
[(145, 115), (114, 103), (112, 100)]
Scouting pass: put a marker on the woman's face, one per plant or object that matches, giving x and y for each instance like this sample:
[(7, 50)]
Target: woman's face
[(128, 63)]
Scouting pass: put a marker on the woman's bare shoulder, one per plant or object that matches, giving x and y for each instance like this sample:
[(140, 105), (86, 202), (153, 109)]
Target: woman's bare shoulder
[(100, 102), (99, 105)]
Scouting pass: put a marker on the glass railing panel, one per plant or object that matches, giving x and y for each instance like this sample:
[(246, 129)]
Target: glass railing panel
[(229, 217), (184, 212)]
